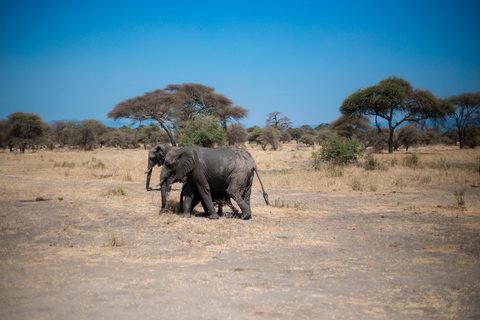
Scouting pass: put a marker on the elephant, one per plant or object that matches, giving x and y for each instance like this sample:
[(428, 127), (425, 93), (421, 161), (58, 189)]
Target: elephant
[(228, 170), (190, 197), (156, 156)]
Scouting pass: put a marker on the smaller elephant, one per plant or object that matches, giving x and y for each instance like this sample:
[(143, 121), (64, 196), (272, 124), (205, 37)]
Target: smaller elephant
[(156, 156), (190, 197)]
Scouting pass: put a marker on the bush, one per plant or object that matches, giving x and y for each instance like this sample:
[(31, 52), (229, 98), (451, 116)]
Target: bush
[(205, 131), (265, 136), (411, 161), (317, 160), (339, 150), (371, 163), (334, 171), (441, 164), (236, 135), (308, 139)]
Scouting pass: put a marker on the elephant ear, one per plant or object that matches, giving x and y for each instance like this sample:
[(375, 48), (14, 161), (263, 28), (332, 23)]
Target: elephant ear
[(185, 164), (160, 154)]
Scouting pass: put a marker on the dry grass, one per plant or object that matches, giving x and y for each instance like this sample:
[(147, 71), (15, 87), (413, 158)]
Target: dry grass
[(443, 170), (97, 210)]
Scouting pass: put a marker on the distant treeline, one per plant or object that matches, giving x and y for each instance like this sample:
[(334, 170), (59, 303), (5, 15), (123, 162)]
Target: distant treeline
[(193, 114), (22, 131)]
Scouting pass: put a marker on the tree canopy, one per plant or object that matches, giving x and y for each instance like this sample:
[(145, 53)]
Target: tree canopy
[(25, 129), (396, 101), (177, 104), (279, 123), (467, 115), (349, 125)]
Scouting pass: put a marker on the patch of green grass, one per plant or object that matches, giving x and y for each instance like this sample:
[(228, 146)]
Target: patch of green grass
[(281, 203), (66, 164), (115, 192)]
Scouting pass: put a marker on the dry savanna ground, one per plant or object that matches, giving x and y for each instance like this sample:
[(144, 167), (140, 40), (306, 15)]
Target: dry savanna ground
[(80, 238)]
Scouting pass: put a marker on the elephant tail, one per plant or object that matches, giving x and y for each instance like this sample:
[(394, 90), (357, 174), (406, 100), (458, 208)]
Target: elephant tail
[(265, 195)]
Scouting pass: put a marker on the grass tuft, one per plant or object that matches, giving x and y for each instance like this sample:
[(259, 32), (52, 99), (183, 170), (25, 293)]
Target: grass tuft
[(66, 164), (115, 192), (460, 197), (411, 161), (114, 241)]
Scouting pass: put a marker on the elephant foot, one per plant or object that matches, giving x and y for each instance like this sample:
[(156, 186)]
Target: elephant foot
[(149, 189), (246, 216), (213, 216), (186, 215), (164, 210)]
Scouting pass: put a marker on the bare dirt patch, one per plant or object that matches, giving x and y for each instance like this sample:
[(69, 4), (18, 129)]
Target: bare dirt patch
[(398, 247)]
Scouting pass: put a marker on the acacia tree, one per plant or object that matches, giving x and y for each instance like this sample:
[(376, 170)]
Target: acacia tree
[(279, 123), (176, 105), (396, 101), (349, 125), (88, 132), (26, 129), (467, 115), (409, 136)]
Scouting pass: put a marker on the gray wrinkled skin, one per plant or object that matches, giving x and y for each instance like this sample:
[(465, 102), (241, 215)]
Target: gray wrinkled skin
[(190, 197), (228, 170), (156, 156)]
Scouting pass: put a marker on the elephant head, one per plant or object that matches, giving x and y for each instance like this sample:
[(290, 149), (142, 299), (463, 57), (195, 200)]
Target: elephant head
[(177, 164), (156, 156)]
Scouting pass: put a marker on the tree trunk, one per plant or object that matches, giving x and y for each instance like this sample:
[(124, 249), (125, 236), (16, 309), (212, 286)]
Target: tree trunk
[(169, 133), (390, 139)]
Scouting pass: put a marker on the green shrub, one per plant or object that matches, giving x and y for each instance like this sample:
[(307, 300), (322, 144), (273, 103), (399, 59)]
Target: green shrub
[(203, 131), (340, 150)]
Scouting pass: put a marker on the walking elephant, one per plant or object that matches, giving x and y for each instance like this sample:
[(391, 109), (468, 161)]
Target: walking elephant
[(156, 156), (227, 171)]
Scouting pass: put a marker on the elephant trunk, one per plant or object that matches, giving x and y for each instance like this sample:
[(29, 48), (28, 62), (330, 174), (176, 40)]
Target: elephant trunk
[(149, 175)]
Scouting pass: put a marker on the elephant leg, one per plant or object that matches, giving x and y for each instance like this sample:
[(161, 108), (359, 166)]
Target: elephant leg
[(219, 199), (244, 206), (207, 202), (230, 204), (188, 198), (247, 194)]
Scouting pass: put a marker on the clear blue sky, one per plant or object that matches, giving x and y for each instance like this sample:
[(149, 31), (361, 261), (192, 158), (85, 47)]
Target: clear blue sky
[(78, 59)]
